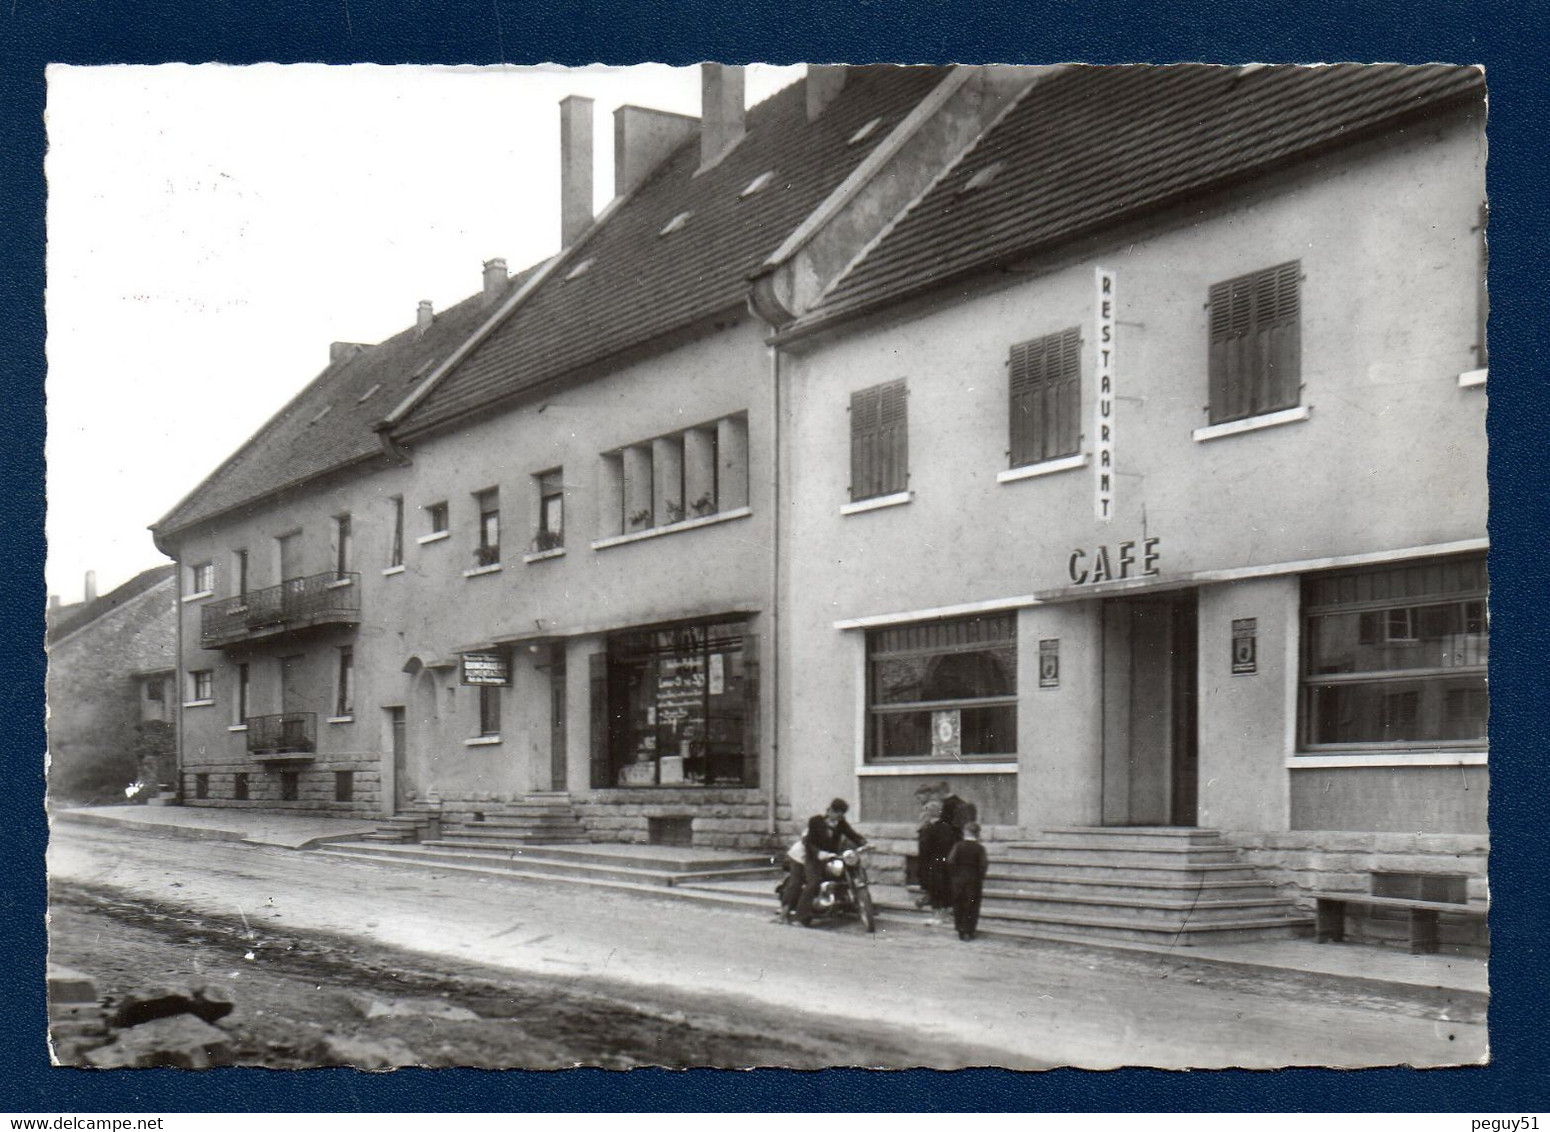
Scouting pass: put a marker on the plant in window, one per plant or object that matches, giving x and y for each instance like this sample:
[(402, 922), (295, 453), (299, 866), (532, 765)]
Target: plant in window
[(704, 505), (641, 518), (487, 555), (548, 540), (675, 512)]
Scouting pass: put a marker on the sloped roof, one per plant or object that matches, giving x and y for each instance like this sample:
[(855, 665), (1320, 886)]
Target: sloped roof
[(641, 284), (78, 616), (329, 424), (1095, 146)]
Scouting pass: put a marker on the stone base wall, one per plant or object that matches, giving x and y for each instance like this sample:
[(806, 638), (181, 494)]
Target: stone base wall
[(1335, 861), (719, 819), (314, 789)]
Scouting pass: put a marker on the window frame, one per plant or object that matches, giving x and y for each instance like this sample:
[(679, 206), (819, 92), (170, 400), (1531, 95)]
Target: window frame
[(551, 490), (241, 691), (438, 517), (396, 546), (201, 685), (344, 546), (487, 547), (1263, 309), (344, 683), (489, 724), (201, 577)]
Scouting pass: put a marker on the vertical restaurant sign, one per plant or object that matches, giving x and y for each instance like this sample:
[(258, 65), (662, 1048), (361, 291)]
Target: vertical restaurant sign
[(1103, 405)]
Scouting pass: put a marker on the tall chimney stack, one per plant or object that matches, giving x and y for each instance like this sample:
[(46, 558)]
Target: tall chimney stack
[(495, 279), (575, 168), (721, 112), (91, 585), (643, 139), (824, 83), (424, 316)]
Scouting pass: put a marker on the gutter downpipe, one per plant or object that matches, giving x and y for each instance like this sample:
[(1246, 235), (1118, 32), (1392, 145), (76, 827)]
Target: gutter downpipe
[(777, 440)]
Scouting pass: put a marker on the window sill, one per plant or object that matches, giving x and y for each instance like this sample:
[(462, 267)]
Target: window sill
[(483, 741), (200, 596), (341, 719), (870, 770), (877, 502), (478, 571), (234, 726), (674, 528), (1474, 379), (541, 555), (198, 703), (1042, 468), (1251, 424), (339, 584), (1386, 758), (436, 536), (391, 570)]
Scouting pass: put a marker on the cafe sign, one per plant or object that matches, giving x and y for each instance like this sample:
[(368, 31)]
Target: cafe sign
[(487, 669)]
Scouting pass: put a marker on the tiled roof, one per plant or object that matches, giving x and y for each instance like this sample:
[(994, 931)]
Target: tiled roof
[(641, 283), (77, 616), (329, 424), (1095, 146)]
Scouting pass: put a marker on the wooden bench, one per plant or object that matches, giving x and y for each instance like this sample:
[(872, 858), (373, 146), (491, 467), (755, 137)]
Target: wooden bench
[(1330, 926)]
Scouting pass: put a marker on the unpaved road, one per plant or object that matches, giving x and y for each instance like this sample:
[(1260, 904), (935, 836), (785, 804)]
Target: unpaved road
[(901, 998)]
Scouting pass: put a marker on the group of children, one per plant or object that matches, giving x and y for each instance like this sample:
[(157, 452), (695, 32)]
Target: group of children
[(952, 864)]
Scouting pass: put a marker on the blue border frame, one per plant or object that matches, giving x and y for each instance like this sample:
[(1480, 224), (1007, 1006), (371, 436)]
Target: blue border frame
[(1506, 39)]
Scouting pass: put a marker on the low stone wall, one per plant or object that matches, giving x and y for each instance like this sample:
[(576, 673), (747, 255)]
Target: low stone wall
[(1336, 861), (315, 787), (719, 819)]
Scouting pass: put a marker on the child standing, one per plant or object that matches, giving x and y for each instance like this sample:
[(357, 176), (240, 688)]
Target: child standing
[(967, 864)]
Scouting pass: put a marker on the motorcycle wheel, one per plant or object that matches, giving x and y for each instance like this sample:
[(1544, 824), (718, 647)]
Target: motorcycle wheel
[(864, 906)]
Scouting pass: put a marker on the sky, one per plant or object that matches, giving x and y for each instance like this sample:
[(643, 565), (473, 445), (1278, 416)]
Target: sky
[(212, 229)]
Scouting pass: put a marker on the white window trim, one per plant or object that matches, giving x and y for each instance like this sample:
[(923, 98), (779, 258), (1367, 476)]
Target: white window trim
[(234, 726), (1472, 379), (200, 596), (674, 528), (198, 703), (540, 555), (492, 568), (1252, 424), (341, 719), (391, 570), (337, 583), (1043, 468), (877, 502), (434, 536), (885, 770), (482, 741), (1388, 758)]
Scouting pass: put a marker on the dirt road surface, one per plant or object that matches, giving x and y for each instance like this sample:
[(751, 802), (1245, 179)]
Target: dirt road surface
[(573, 975)]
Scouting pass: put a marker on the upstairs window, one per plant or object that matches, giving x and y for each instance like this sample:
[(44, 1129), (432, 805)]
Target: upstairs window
[(488, 550), (396, 549), (698, 473), (551, 511), (344, 685), (879, 441), (153, 690), (201, 578), (436, 518), (344, 549), (240, 564), (489, 711), (201, 686), (1255, 359), (1045, 381), (239, 704)]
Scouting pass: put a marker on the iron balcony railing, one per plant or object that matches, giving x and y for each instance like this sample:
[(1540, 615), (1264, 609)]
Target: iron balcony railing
[(289, 732), (322, 599)]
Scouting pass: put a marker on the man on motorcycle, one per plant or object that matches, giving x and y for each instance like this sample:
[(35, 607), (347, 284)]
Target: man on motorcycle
[(825, 837)]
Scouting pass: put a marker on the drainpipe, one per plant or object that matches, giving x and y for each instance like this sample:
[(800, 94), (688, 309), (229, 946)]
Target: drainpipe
[(776, 441)]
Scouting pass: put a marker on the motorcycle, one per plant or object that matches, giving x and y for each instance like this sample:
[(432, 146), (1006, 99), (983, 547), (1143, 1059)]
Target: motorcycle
[(844, 890)]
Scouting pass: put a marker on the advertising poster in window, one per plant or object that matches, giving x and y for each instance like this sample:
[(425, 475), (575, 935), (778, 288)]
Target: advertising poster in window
[(1245, 646), (947, 735)]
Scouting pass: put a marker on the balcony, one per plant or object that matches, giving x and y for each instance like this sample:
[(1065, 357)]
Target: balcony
[(289, 735), (300, 603)]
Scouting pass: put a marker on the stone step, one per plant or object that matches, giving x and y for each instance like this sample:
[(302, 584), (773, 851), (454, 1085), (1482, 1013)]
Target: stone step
[(1121, 854), (1126, 927), (1207, 886), (1171, 911), (1189, 874), (1162, 837), (526, 860)]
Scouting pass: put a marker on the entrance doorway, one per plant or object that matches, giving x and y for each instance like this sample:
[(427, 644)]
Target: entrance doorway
[(400, 753), (1149, 762), (557, 754)]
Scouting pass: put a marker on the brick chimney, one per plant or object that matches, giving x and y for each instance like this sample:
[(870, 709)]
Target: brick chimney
[(424, 316), (495, 280), (824, 83), (721, 112), (643, 139), (575, 168), (91, 585)]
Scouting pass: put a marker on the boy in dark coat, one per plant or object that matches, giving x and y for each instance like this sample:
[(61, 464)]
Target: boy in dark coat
[(966, 865), (933, 843)]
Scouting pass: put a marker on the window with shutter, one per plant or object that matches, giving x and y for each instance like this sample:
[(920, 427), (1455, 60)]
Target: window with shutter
[(1256, 345), (879, 441), (1045, 381)]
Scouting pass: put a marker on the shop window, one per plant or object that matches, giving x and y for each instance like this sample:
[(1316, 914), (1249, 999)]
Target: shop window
[(488, 550), (290, 785), (239, 787), (551, 511), (344, 683), (344, 786), (1396, 657), (1045, 382), (879, 441), (678, 707), (943, 690), (489, 711), (201, 786), (1255, 362)]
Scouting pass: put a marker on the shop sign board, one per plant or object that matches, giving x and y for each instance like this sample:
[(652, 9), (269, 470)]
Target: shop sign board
[(1245, 646), (1133, 559), (1049, 663), (1104, 321), (487, 669)]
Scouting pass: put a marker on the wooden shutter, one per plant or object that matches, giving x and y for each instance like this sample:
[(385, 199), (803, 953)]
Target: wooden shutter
[(597, 666), (751, 709), (1255, 361), (1045, 383), (864, 428), (879, 441)]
